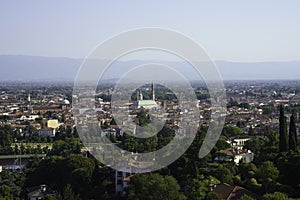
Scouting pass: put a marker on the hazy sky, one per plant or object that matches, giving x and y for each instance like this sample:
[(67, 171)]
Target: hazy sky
[(255, 30)]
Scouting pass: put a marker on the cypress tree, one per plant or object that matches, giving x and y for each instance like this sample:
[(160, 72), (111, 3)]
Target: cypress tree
[(296, 121), (292, 133), (283, 143)]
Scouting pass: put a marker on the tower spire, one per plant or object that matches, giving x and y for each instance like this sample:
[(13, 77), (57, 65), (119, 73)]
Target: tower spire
[(153, 91), (141, 95), (137, 95)]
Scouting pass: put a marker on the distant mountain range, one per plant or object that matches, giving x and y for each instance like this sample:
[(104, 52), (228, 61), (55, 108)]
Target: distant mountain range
[(37, 68)]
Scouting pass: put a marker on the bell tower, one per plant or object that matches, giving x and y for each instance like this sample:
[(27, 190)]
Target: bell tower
[(153, 91)]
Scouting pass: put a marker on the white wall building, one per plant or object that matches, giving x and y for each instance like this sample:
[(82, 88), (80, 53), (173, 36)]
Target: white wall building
[(29, 117), (47, 132), (237, 143)]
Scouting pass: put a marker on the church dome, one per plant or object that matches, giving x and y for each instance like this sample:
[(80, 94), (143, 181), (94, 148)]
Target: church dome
[(65, 102)]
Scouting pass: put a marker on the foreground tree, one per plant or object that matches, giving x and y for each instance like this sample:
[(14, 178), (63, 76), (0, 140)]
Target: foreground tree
[(5, 192), (6, 136), (283, 143), (152, 187), (267, 174), (197, 189), (289, 166), (68, 194), (246, 197), (276, 196), (223, 174), (267, 171), (213, 196), (75, 170), (292, 134)]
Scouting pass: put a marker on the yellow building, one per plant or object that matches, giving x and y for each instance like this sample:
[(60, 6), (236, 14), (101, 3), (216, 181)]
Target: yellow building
[(52, 123)]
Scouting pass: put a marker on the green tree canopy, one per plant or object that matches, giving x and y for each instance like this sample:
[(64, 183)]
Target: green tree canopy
[(223, 174), (6, 134), (230, 131), (75, 170), (143, 117), (6, 192), (246, 197), (213, 196), (276, 196), (152, 187), (197, 189), (267, 171)]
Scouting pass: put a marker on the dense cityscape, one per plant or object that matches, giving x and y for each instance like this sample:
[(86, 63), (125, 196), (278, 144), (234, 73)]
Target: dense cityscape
[(256, 157), (149, 100)]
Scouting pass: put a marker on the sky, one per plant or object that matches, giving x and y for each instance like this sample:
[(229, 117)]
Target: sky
[(240, 31)]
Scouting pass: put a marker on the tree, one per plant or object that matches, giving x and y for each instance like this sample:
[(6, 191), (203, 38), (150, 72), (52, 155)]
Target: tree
[(213, 196), (5, 136), (230, 131), (51, 197), (189, 164), (289, 165), (165, 136), (276, 196), (223, 174), (222, 144), (247, 170), (251, 131), (255, 145), (267, 174), (246, 197), (292, 134), (232, 103), (69, 194), (266, 110), (5, 192), (39, 120), (129, 142), (143, 117), (283, 143), (152, 187), (75, 170), (267, 171), (245, 105), (197, 189), (69, 146)]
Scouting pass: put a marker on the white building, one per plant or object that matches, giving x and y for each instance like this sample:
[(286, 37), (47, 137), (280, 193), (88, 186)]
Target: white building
[(47, 132), (147, 104), (238, 143), (29, 117), (246, 156), (237, 152), (237, 155)]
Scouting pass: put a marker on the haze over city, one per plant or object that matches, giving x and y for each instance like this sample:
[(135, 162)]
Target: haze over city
[(201, 100)]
